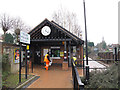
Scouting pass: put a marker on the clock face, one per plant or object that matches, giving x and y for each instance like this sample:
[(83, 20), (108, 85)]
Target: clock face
[(46, 31)]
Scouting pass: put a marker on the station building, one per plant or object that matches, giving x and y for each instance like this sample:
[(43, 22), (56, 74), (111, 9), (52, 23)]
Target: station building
[(48, 36)]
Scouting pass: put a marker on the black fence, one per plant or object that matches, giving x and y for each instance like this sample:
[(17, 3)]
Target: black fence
[(77, 83), (108, 55)]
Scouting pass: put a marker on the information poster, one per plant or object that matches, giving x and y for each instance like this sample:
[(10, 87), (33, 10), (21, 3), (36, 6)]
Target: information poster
[(45, 51), (16, 55), (74, 49), (61, 54)]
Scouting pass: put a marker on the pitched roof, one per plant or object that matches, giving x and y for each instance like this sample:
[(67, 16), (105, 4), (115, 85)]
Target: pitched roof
[(67, 32), (74, 37)]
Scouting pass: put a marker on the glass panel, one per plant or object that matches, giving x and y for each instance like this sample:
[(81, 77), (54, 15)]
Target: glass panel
[(55, 52)]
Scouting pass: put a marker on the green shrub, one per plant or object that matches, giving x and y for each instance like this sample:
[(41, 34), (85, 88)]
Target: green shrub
[(5, 63), (5, 67), (104, 79)]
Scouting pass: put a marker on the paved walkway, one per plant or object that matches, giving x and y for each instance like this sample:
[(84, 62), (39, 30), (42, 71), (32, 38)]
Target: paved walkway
[(53, 78)]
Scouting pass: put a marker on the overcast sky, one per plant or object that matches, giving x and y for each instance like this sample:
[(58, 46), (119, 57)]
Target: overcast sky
[(102, 15)]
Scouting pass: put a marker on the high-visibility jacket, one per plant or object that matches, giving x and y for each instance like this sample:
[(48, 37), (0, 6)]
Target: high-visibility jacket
[(84, 56), (75, 60), (46, 59)]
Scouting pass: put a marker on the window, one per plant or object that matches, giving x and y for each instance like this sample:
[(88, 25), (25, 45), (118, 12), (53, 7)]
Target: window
[(55, 52)]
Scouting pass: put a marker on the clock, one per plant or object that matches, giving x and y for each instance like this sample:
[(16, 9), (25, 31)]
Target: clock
[(46, 31)]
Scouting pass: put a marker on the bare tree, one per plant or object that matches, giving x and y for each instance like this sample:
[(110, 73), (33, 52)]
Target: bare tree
[(68, 21), (18, 24), (6, 23)]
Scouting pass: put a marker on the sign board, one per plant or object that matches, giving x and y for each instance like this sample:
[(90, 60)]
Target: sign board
[(24, 37), (55, 47)]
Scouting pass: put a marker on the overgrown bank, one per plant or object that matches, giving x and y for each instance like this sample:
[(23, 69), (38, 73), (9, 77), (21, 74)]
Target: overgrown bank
[(104, 79)]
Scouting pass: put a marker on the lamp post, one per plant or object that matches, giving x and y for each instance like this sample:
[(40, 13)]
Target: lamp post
[(87, 67), (17, 31)]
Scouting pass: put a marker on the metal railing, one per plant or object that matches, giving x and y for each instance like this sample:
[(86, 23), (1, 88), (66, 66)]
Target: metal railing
[(86, 68), (77, 83), (102, 62)]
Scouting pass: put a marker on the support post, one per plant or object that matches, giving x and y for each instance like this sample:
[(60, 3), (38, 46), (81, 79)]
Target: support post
[(32, 67), (28, 58), (115, 54), (26, 62), (69, 53), (20, 64), (65, 62), (86, 36), (65, 52), (85, 33)]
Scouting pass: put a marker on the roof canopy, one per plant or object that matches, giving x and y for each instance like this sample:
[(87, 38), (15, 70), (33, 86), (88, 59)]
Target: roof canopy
[(58, 33)]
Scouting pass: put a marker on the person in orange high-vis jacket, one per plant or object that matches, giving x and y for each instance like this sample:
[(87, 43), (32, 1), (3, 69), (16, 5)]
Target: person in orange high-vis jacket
[(47, 60)]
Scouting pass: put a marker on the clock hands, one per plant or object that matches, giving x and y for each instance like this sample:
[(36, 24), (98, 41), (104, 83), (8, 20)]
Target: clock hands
[(46, 31)]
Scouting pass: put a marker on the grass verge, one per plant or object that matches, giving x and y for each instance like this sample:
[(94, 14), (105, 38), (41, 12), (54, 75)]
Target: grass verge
[(12, 80)]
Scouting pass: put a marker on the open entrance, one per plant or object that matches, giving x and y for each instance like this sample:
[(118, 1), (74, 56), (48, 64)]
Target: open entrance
[(37, 55), (40, 49)]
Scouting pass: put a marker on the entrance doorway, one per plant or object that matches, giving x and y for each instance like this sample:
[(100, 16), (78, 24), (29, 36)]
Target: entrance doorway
[(37, 56)]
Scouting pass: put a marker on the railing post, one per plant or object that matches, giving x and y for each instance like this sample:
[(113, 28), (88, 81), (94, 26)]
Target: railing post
[(115, 54), (32, 67), (81, 87), (74, 82)]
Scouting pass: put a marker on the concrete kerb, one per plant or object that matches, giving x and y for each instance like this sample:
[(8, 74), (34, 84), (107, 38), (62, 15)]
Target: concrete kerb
[(27, 82)]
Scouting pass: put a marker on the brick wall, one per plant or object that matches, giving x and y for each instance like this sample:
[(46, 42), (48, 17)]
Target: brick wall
[(9, 49)]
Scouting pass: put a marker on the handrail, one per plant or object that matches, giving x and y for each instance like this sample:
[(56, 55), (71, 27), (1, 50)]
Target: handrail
[(78, 78), (77, 83)]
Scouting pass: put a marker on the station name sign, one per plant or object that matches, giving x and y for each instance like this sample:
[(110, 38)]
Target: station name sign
[(24, 37)]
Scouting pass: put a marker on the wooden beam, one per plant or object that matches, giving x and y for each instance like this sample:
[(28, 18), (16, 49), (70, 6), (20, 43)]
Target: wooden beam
[(51, 40)]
